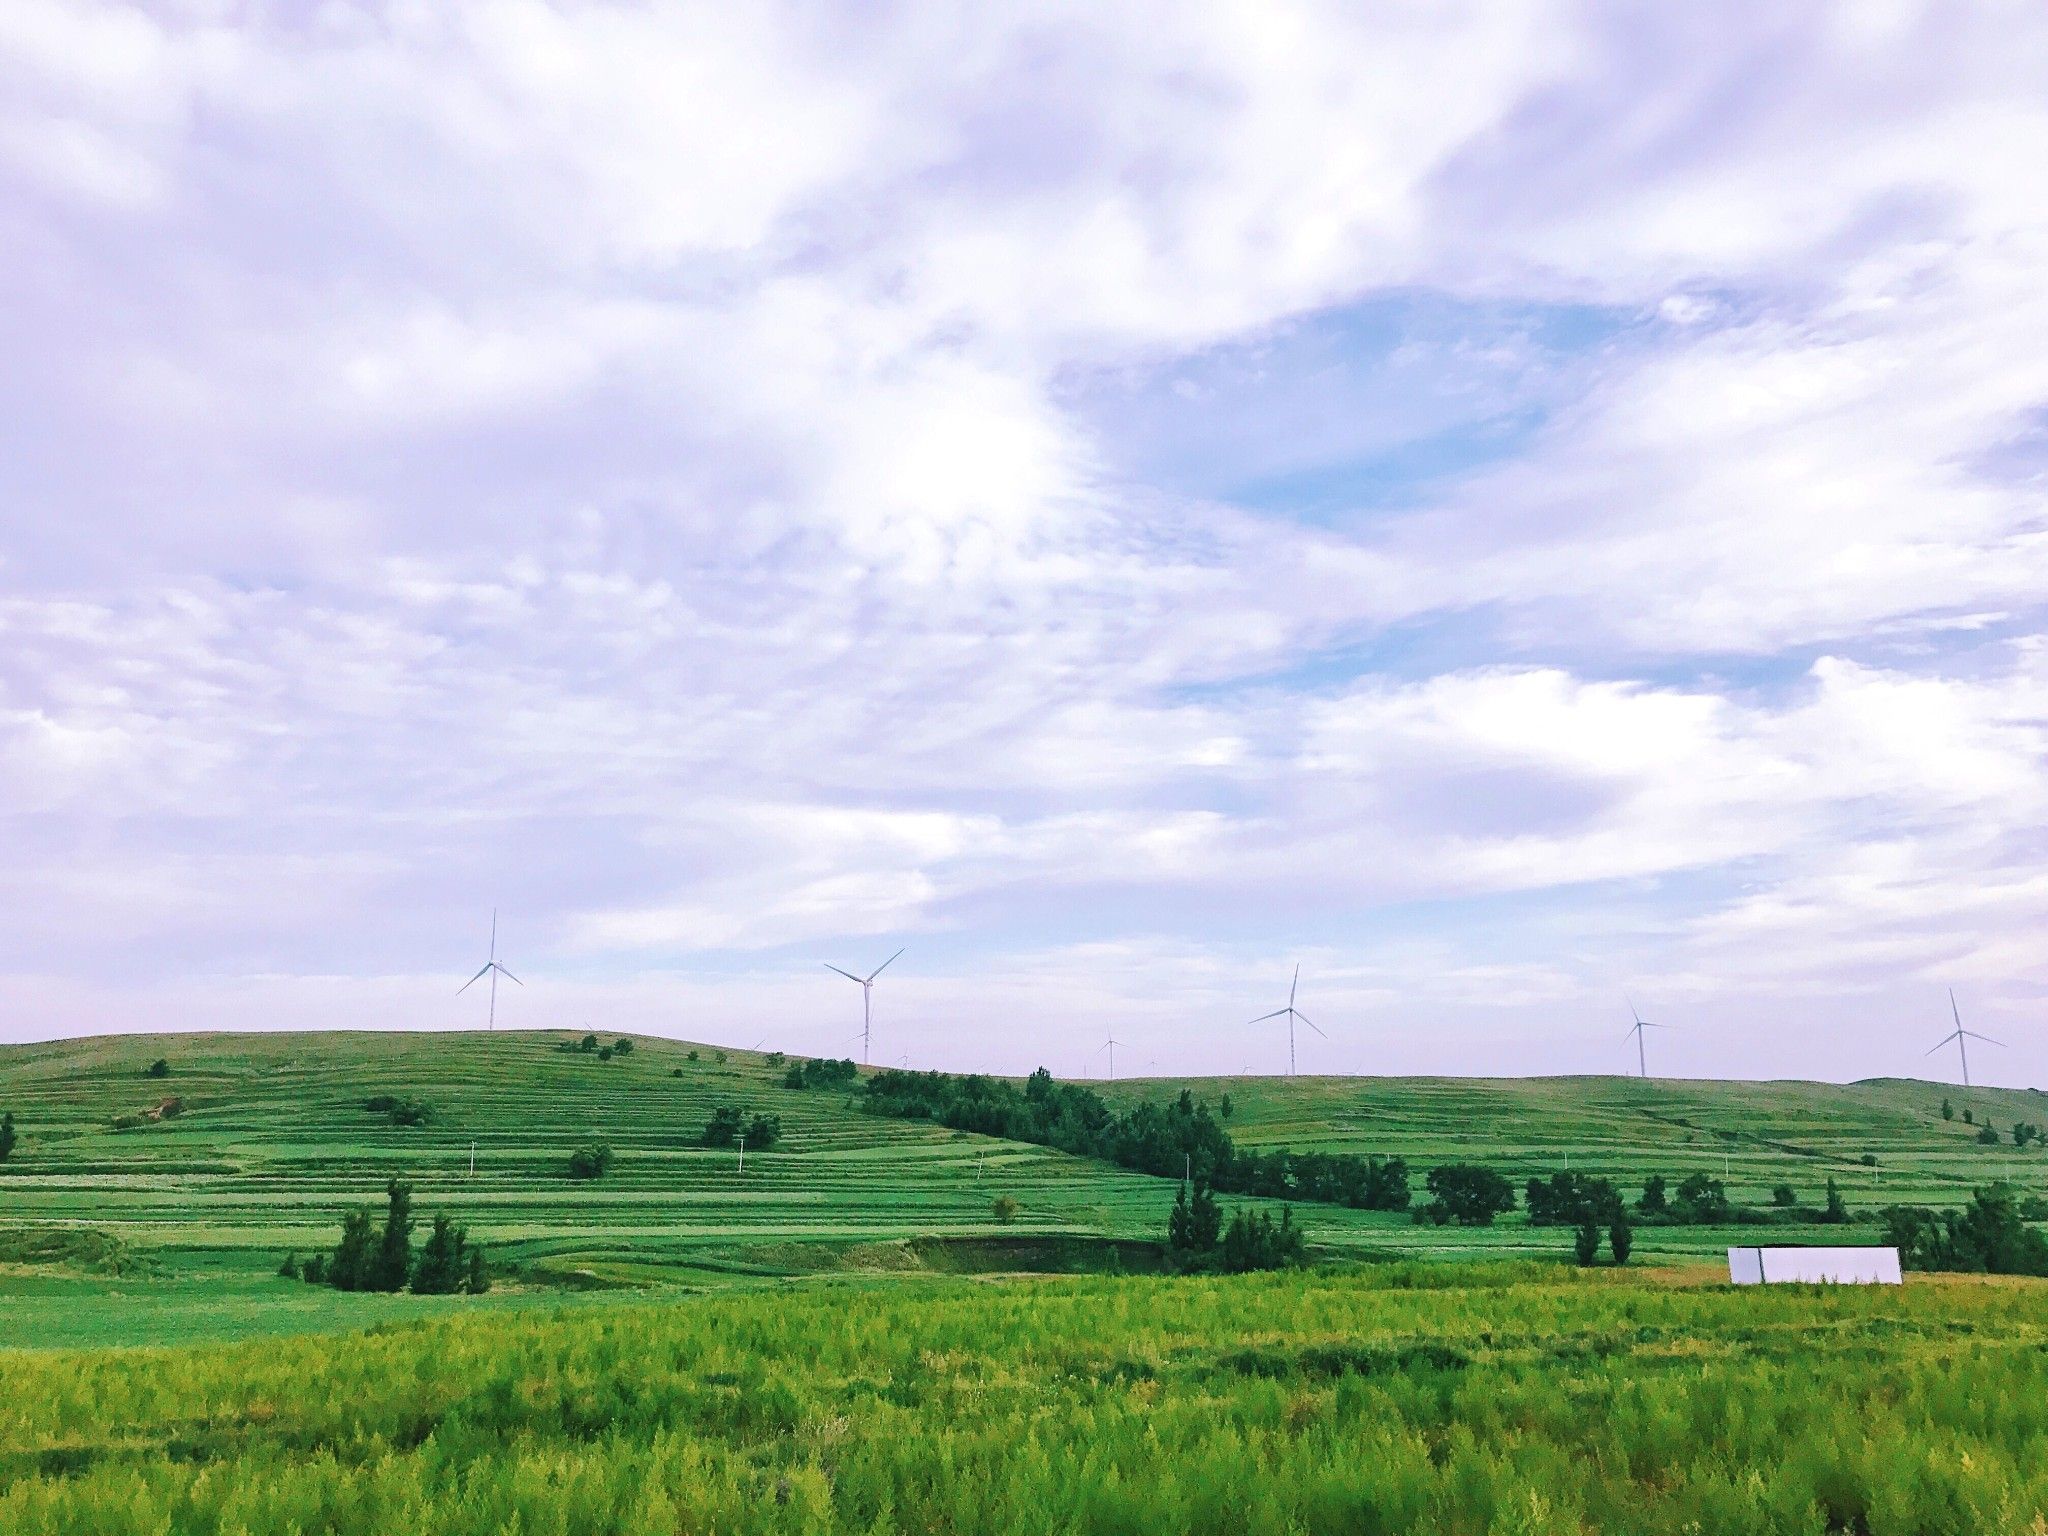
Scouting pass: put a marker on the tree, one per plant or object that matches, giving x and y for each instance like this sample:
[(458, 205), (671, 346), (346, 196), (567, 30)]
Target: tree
[(478, 1280), (1653, 1202), (1255, 1241), (1785, 1195), (604, 1053), (442, 1264), (1468, 1194), (1969, 1117), (763, 1131), (8, 1138), (392, 1266), (1006, 1208), (355, 1256), (591, 1162), (724, 1128), (289, 1269), (1990, 1235), (314, 1270), (1192, 1228), (1571, 1199), (623, 1046), (1226, 1106), (1948, 1110), (1621, 1238), (1586, 1244), (160, 1068), (587, 1043), (1988, 1136), (1702, 1198), (1837, 1210)]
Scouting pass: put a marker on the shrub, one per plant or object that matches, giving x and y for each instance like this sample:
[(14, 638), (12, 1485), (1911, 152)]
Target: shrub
[(1006, 1208), (289, 1269), (692, 1056), (1195, 1223), (392, 1266), (1225, 1106), (1869, 1159), (1837, 1210), (1468, 1194), (1948, 1110), (762, 1132), (591, 1162), (623, 1046), (8, 1137), (314, 1270), (443, 1261), (605, 1052), (1988, 1136), (1702, 1199), (354, 1258), (1254, 1241), (776, 1058), (1621, 1238), (1784, 1195), (1586, 1244), (1654, 1201), (478, 1279), (724, 1128), (159, 1068)]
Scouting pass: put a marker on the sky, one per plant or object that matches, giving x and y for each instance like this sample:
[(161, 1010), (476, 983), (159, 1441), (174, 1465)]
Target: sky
[(1522, 510)]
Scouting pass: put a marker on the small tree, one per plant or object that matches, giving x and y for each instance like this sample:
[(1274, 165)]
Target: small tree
[(314, 1270), (1006, 1208), (441, 1266), (1837, 1210), (1226, 1106), (604, 1053), (1784, 1195), (1987, 1136), (1621, 1238), (478, 1280), (355, 1256), (724, 1128), (587, 1043), (289, 1269), (1468, 1194), (1969, 1117), (1586, 1244), (591, 1162), (1654, 1201), (623, 1046), (1948, 1110), (160, 1068), (393, 1264), (8, 1138), (763, 1131)]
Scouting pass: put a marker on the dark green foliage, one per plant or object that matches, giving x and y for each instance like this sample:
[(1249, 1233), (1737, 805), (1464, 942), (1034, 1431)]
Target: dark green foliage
[(8, 1137), (1702, 1200), (1654, 1201), (1586, 1245), (443, 1262), (1225, 1106), (1254, 1241), (1467, 1194), (1571, 1199), (591, 1162), (762, 1132), (724, 1128), (623, 1046), (1179, 1139), (392, 1266), (1784, 1195), (478, 1280), (160, 1068), (2024, 1131), (1837, 1210), (692, 1056), (775, 1058), (1005, 1209), (1194, 1225), (1948, 1110), (1869, 1159), (1621, 1238), (1990, 1235), (604, 1053), (821, 1073), (355, 1256), (289, 1269), (314, 1270), (1969, 1117), (1988, 1136), (403, 1112)]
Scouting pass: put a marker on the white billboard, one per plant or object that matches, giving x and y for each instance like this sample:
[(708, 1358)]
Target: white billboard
[(1813, 1266)]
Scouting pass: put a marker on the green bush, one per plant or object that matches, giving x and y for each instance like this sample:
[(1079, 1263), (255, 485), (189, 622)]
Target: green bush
[(591, 1162)]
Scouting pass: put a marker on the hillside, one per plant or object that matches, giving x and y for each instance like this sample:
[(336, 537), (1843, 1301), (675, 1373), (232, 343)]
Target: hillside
[(108, 1211)]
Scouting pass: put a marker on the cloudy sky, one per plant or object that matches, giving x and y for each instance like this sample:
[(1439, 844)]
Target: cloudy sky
[(1511, 506)]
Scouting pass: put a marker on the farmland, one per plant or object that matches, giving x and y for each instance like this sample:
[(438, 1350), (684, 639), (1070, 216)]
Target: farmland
[(121, 1226)]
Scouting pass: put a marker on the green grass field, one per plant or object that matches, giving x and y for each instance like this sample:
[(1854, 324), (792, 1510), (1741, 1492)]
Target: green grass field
[(274, 1143)]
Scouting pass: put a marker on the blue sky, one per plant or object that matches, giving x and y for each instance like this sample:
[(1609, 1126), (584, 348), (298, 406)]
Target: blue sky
[(1509, 506)]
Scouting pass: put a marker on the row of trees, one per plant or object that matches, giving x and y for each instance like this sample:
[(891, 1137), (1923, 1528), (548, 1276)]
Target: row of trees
[(729, 1127), (369, 1259), (820, 1073), (1197, 1239), (1182, 1140), (588, 1046), (1988, 1236)]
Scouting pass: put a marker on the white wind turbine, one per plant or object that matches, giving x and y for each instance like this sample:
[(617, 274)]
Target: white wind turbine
[(1110, 1044), (1636, 1029), (493, 970), (867, 999), (1291, 1013), (1959, 1035)]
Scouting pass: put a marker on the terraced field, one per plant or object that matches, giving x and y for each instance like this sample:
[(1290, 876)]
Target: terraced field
[(178, 1223)]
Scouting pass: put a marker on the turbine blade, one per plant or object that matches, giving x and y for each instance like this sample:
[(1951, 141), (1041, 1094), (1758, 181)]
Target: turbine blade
[(1985, 1038), (885, 965), (1311, 1023), (1276, 1013), (479, 976), (847, 974), (1954, 1011), (1293, 985), (1944, 1040), (509, 976)]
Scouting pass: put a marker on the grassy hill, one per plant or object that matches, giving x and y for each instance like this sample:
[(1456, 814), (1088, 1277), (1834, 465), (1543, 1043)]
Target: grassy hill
[(110, 1209)]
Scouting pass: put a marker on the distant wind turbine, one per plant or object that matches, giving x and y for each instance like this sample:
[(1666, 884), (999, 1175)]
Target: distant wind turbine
[(1110, 1046), (1291, 1013), (1636, 1029), (1959, 1035), (493, 970), (867, 999)]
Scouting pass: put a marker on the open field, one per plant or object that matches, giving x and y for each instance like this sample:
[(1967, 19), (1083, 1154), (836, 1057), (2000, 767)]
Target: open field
[(274, 1143), (1454, 1399)]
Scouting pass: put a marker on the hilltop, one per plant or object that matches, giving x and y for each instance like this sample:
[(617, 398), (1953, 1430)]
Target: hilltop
[(191, 1186)]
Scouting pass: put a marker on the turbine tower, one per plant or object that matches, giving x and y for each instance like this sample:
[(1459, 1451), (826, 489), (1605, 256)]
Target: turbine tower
[(493, 970), (1959, 1035), (1291, 1013), (867, 999), (1110, 1044), (1636, 1029)]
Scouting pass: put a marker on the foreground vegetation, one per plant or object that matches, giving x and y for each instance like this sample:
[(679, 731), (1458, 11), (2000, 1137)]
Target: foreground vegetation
[(1473, 1398)]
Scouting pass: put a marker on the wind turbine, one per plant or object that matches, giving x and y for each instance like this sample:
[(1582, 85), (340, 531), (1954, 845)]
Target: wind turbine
[(1959, 1035), (1636, 1029), (493, 970), (867, 998), (1291, 1013), (1110, 1044)]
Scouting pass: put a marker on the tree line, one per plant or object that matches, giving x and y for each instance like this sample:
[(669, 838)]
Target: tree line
[(367, 1258), (1182, 1140)]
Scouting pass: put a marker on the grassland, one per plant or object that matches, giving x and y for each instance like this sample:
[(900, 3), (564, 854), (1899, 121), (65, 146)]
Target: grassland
[(177, 1224), (1469, 1398)]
